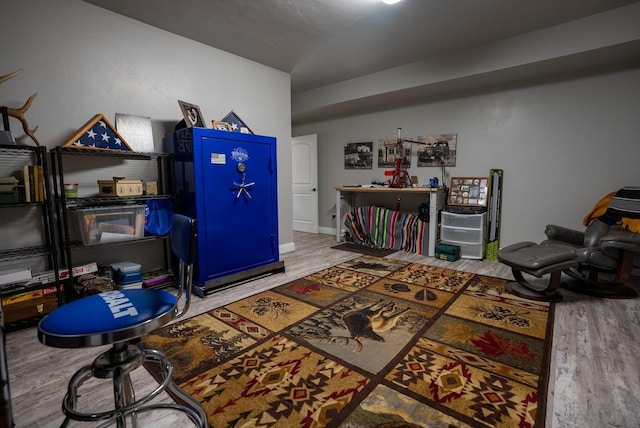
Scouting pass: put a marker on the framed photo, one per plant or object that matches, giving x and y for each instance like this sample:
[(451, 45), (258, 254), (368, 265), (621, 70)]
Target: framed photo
[(192, 114), (468, 191), (388, 149), (358, 155), (221, 126), (438, 150)]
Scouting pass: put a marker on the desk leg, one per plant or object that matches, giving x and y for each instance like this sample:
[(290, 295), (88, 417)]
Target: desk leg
[(338, 203), (433, 223)]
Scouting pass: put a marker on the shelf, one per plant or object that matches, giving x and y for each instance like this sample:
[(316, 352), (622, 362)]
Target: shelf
[(24, 253), (36, 299), (79, 246), (119, 200), (169, 284), (109, 153), (22, 204), (70, 245), (9, 149), (11, 327)]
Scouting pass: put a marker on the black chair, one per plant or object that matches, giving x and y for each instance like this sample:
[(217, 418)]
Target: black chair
[(119, 318)]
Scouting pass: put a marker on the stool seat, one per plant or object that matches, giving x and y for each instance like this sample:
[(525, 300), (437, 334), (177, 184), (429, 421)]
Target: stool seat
[(537, 260), (107, 318)]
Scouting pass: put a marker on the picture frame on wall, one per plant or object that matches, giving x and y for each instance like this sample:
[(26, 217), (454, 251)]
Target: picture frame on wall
[(192, 114), (388, 149), (358, 155), (468, 191), (437, 150)]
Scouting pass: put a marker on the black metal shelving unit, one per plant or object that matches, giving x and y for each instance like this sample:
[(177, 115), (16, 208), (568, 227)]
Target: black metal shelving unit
[(30, 155), (65, 205)]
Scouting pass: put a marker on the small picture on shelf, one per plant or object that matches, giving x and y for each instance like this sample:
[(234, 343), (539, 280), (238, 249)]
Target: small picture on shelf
[(137, 130), (220, 126), (468, 191), (192, 114)]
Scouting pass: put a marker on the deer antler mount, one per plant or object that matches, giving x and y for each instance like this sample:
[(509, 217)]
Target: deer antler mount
[(19, 112)]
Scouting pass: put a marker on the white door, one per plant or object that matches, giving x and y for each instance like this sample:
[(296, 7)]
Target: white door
[(305, 183)]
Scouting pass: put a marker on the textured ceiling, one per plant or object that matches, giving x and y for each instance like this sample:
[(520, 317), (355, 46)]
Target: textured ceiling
[(321, 42)]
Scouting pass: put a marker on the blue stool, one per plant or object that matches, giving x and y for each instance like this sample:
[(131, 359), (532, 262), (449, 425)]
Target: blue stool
[(119, 318)]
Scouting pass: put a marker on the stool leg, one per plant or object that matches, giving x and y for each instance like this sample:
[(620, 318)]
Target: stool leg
[(71, 398), (194, 404), (123, 395), (130, 399), (125, 403), (192, 407)]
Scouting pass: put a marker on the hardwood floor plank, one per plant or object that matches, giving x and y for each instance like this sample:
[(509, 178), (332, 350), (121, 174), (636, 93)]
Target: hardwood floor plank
[(594, 379)]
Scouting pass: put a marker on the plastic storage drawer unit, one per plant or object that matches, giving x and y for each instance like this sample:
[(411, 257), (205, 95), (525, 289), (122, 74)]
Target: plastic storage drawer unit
[(465, 230)]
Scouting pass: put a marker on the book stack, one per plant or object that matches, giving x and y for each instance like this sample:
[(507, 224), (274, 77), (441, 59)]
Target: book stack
[(33, 179)]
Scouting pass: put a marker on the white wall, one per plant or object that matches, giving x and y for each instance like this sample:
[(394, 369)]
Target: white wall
[(83, 60), (562, 144)]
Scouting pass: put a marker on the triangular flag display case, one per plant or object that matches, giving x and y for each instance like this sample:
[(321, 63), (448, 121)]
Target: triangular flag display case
[(98, 133)]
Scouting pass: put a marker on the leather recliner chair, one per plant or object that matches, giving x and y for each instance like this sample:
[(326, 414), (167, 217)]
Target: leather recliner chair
[(606, 256)]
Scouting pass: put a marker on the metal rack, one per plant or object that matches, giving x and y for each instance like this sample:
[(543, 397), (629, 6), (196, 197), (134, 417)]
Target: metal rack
[(64, 205), (11, 155)]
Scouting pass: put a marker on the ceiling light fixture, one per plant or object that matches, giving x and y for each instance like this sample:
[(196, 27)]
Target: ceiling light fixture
[(390, 1)]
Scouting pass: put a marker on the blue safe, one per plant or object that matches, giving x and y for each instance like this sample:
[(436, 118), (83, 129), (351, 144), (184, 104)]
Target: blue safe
[(227, 181)]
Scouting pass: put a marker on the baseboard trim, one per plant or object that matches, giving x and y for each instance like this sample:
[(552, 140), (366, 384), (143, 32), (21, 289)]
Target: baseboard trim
[(327, 230), (287, 247)]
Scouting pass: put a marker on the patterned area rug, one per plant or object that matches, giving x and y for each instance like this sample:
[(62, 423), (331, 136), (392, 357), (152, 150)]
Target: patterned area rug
[(368, 343)]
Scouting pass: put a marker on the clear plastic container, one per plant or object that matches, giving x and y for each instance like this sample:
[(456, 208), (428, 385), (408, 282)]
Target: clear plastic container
[(101, 225)]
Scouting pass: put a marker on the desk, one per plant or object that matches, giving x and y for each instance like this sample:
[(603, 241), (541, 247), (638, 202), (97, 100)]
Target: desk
[(434, 205)]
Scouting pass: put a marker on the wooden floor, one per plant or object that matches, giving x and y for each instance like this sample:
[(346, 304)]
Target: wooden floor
[(595, 371)]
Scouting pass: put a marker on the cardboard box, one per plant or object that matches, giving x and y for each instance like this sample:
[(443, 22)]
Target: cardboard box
[(120, 187), (30, 304), (152, 188)]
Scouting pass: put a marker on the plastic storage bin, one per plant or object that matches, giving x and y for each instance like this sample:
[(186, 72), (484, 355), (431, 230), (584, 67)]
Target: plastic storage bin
[(469, 221), (101, 225), (461, 236)]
